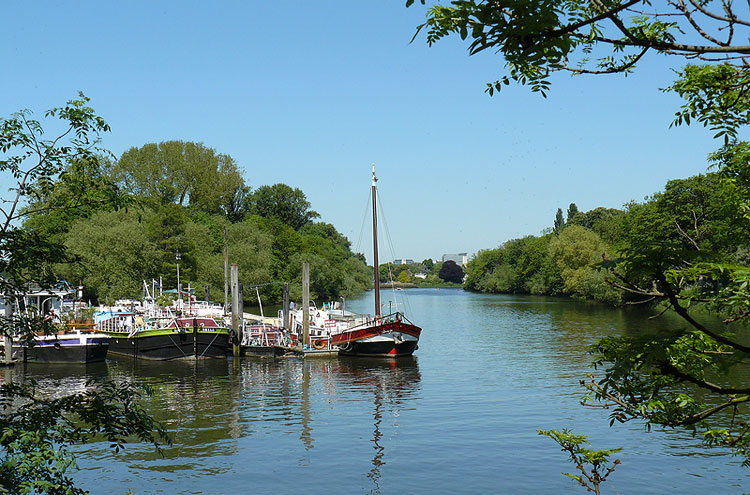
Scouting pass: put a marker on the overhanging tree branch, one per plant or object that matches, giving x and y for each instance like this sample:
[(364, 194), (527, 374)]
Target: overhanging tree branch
[(680, 310)]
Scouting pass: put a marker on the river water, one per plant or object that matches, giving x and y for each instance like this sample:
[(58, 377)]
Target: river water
[(459, 417)]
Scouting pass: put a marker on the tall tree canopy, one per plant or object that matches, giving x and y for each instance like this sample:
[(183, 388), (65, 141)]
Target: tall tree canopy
[(284, 203), (559, 220), (185, 173)]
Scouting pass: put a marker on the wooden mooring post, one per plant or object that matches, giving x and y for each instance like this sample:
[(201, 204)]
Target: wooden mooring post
[(305, 303), (226, 273), (236, 310), (195, 338), (8, 338), (285, 323)]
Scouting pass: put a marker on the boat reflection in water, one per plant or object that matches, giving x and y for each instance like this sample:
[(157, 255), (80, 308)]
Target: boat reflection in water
[(388, 386), (238, 424), (197, 401), (56, 380)]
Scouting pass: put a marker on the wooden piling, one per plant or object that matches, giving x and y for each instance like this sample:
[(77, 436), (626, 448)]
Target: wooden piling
[(286, 306), (226, 273), (8, 337), (236, 310), (305, 303)]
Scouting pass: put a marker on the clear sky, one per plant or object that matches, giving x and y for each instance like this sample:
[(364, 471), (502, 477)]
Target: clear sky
[(311, 93)]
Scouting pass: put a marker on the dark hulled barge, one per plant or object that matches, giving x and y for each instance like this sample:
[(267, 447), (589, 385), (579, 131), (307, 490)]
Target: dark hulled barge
[(164, 337)]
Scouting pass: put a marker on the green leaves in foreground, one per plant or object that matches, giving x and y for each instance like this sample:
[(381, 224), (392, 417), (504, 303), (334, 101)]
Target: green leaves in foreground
[(36, 431), (592, 464), (683, 379)]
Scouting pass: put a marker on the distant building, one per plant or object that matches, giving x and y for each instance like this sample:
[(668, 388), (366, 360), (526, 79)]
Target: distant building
[(420, 275), (460, 259), (403, 261)]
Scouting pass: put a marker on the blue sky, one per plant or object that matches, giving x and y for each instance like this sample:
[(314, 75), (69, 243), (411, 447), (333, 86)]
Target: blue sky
[(311, 93)]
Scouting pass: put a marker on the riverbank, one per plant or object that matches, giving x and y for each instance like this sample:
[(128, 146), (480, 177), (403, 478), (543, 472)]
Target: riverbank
[(410, 285)]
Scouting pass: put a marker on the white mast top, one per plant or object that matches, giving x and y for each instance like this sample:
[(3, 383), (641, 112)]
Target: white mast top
[(374, 179)]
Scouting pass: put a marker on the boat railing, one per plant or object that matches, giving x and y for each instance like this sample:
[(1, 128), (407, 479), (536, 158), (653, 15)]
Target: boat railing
[(263, 335), (131, 323), (369, 320)]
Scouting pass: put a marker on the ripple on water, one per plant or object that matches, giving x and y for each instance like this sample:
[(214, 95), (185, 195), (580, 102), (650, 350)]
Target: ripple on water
[(460, 417)]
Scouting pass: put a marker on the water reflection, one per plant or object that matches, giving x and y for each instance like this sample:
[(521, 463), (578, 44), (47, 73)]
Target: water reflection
[(489, 372), (392, 383), (197, 401), (297, 397), (55, 380)]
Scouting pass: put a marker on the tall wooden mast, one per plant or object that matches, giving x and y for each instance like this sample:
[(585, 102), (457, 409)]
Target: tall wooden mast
[(376, 264)]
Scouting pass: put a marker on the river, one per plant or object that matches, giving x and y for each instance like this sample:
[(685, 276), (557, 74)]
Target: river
[(459, 417)]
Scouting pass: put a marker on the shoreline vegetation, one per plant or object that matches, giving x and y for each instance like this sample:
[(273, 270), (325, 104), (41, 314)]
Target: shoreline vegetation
[(427, 285), (692, 216)]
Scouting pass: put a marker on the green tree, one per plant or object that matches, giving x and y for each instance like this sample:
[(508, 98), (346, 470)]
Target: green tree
[(114, 255), (592, 464), (695, 214), (81, 189), (606, 222), (184, 173), (279, 201), (37, 431), (481, 263), (559, 220), (576, 251), (572, 212)]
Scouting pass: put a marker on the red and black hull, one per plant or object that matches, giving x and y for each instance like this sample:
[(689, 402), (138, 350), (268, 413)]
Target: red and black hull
[(378, 349), (383, 338)]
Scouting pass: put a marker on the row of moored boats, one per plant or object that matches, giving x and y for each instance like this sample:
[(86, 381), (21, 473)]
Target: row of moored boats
[(191, 329)]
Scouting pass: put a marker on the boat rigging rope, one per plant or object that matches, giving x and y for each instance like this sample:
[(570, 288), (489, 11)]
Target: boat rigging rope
[(209, 345), (177, 346), (387, 231), (362, 228)]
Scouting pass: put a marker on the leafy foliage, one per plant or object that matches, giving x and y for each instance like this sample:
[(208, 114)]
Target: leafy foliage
[(60, 178), (36, 431), (559, 220), (592, 464), (279, 201), (185, 173), (693, 219), (717, 97), (37, 165), (539, 37), (451, 272), (116, 251)]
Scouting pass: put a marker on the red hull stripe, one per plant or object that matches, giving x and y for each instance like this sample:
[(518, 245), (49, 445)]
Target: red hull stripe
[(367, 332)]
